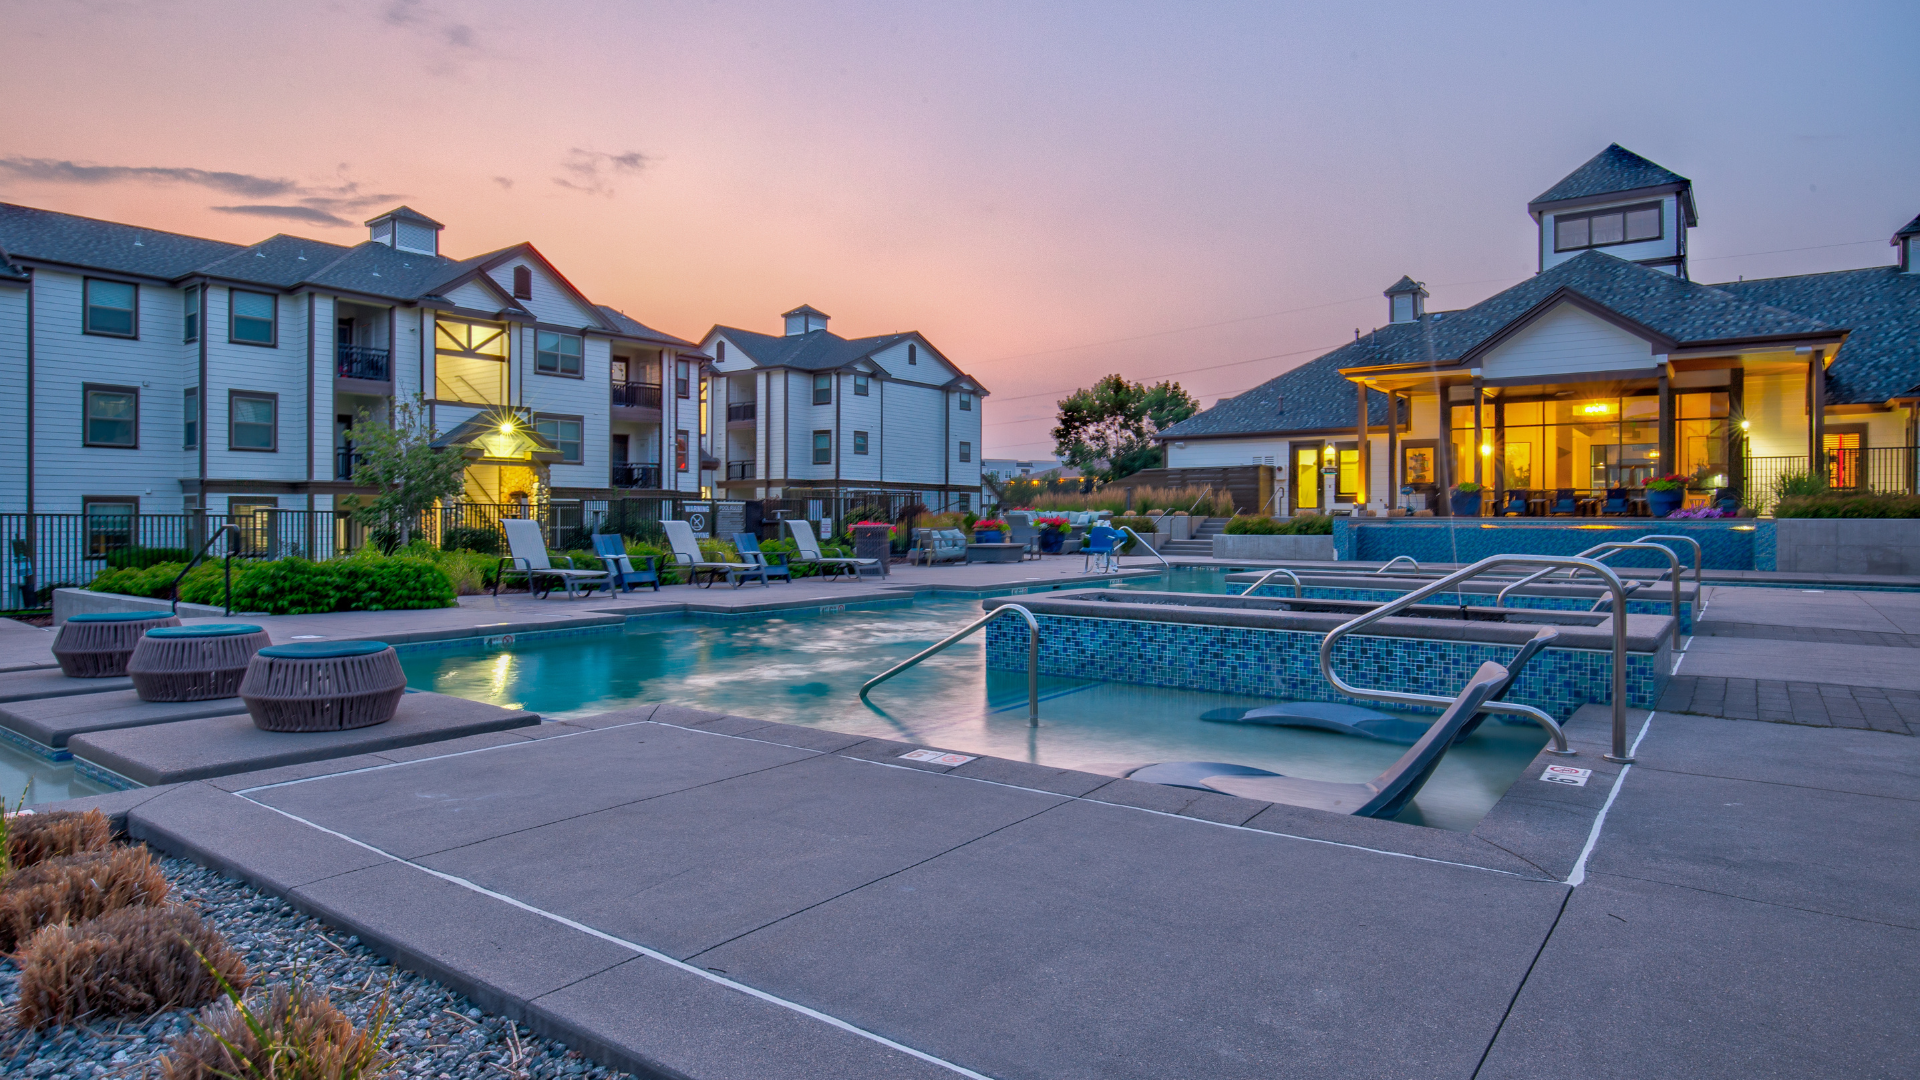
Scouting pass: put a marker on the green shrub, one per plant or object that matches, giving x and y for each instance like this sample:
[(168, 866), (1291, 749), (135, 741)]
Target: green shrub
[(370, 582), (1246, 525), (1848, 504), (1310, 525), (486, 541), (1792, 484), (206, 582), (139, 557)]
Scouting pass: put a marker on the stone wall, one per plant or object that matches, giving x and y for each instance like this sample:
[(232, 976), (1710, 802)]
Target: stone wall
[(1847, 545), (1248, 548)]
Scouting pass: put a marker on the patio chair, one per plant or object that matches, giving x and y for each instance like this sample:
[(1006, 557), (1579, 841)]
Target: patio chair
[(1516, 503), (1382, 797), (1617, 503), (1726, 498), (612, 550), (527, 558), (1025, 535), (1564, 504), (937, 546), (830, 565), (687, 553), (1099, 554), (772, 564)]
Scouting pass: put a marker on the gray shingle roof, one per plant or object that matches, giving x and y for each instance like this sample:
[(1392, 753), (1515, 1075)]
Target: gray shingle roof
[(1614, 169), (816, 350), (1311, 397), (1405, 284), (29, 233), (1911, 228), (1881, 305), (633, 327)]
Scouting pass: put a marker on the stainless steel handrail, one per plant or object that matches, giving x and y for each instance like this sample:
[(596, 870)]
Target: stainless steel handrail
[(1599, 569), (1684, 540), (1276, 571), (1033, 657), (232, 532), (1602, 551), (1128, 529), (1398, 559), (1631, 587)]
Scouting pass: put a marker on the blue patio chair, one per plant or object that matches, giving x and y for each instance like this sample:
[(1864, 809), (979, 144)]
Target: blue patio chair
[(1726, 498), (1516, 503), (1616, 502), (773, 563), (1564, 503), (612, 550), (1099, 551)]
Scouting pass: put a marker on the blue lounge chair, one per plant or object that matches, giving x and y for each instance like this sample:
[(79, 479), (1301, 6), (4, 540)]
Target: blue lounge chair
[(773, 564), (1516, 503), (1564, 503), (1382, 797), (612, 550), (1343, 719), (1616, 502), (1099, 552)]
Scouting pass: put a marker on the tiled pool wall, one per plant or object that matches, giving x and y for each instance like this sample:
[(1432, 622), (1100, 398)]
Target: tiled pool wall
[(1284, 590), (1726, 544), (1286, 663)]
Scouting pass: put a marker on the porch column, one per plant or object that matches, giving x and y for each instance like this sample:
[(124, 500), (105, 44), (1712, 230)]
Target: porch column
[(1393, 450), (1667, 456), (1444, 467), (1817, 415), (1736, 440), (1499, 456), (1479, 430), (1360, 445)]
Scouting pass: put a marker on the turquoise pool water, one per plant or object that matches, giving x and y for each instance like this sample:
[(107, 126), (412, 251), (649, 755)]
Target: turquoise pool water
[(807, 669), (39, 780)]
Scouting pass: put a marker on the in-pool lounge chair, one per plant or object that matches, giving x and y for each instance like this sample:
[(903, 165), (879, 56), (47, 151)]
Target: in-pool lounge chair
[(772, 564), (1382, 797), (686, 552), (527, 557), (802, 531), (612, 550)]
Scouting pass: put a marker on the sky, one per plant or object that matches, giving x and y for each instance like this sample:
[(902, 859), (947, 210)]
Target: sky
[(1207, 192)]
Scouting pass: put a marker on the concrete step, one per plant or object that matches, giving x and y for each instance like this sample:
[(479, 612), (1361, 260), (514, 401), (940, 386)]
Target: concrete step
[(1187, 547)]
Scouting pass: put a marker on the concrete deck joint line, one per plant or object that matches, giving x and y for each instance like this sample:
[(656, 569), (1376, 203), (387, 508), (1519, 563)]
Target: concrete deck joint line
[(1579, 873), (638, 948)]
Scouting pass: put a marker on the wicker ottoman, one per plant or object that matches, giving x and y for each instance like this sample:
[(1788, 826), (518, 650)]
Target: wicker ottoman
[(97, 645), (194, 663), (323, 685)]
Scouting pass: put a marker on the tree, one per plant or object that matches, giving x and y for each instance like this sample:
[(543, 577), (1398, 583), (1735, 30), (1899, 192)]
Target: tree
[(409, 475), (1107, 430)]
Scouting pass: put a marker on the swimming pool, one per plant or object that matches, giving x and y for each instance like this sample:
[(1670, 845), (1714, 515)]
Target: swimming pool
[(807, 669), (40, 780)]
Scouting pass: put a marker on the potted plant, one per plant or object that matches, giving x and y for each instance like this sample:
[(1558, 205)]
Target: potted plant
[(989, 531), (1466, 499), (1053, 534), (1666, 493)]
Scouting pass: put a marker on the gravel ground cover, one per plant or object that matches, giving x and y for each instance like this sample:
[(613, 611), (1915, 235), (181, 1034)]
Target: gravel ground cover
[(437, 1034)]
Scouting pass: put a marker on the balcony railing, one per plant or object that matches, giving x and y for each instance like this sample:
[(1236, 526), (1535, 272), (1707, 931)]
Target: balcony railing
[(739, 470), (637, 395), (345, 461), (741, 410), (362, 362), (634, 475)]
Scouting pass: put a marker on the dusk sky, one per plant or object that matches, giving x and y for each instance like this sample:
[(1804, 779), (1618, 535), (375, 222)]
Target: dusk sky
[(1050, 192)]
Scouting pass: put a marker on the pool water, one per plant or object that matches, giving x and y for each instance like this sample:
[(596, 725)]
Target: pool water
[(37, 780), (1211, 580), (807, 669)]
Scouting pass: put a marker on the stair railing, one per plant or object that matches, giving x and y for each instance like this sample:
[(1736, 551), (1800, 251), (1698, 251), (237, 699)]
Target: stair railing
[(224, 530), (1033, 657), (1128, 529), (1275, 572), (1397, 560)]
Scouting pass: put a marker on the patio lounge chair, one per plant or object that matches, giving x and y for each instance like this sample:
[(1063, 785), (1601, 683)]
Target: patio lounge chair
[(938, 545), (1100, 553), (1025, 535), (1516, 503), (830, 565), (528, 558), (772, 565), (1382, 797), (1564, 503), (686, 552), (612, 550), (1616, 502)]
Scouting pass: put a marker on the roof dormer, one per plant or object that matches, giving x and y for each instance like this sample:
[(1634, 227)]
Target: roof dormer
[(1406, 300), (1619, 203), (1907, 240), (406, 229), (804, 319)]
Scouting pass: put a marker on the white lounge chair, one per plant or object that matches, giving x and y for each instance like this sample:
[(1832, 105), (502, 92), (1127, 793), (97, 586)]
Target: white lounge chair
[(830, 565), (687, 553), (528, 559)]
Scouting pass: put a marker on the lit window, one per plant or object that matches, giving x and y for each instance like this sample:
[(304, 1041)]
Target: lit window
[(558, 354), (191, 303), (823, 448), (859, 442), (113, 416), (190, 415), (966, 451), (253, 321), (250, 421), (111, 308), (109, 525), (1604, 228), (860, 384), (563, 434), (680, 451)]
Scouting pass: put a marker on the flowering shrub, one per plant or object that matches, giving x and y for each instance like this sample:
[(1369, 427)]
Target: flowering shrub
[(1055, 524), (1669, 482), (989, 525), (1701, 513)]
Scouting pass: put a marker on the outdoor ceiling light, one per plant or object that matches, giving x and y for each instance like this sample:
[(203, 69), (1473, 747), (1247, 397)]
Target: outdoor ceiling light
[(1597, 407), (1486, 448), (506, 426), (1745, 426)]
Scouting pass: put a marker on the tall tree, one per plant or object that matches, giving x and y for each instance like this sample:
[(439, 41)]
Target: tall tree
[(1107, 430), (409, 476)]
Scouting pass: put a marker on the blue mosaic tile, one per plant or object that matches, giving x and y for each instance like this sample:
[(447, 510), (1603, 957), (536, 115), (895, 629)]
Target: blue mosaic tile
[(1766, 551), (1535, 603), (1286, 663), (1728, 544)]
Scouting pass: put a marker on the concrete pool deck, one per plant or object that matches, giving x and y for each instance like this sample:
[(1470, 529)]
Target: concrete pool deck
[(719, 897)]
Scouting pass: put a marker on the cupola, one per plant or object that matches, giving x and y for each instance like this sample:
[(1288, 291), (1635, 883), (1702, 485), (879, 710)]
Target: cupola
[(1621, 204), (804, 319), (1907, 241), (1406, 301), (406, 229)]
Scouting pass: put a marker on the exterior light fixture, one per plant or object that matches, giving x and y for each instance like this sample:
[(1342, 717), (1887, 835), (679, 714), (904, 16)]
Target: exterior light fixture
[(1746, 425), (1655, 454), (506, 426), (1596, 409)]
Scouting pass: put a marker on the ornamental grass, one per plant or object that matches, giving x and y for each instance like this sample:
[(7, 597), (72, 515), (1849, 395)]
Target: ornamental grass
[(32, 838), (69, 889), (132, 962), (290, 1033)]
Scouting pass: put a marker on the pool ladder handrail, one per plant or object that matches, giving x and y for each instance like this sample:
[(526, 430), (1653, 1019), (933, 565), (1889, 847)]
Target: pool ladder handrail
[(1128, 529), (1606, 550), (1275, 572), (1397, 560), (1393, 607), (1033, 657)]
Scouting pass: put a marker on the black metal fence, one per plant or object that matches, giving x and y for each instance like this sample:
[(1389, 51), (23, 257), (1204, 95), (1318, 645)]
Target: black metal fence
[(1883, 469), (636, 395), (361, 362)]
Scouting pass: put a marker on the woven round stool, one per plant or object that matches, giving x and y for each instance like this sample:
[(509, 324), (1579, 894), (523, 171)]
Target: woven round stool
[(194, 663), (96, 645), (323, 685)]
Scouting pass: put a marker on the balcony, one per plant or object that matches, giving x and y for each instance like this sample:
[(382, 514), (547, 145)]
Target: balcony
[(741, 410), (362, 362), (636, 395), (739, 470), (632, 475), (345, 461)]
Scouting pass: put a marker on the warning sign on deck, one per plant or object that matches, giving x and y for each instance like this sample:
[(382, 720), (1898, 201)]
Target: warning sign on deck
[(1566, 774), (935, 757)]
